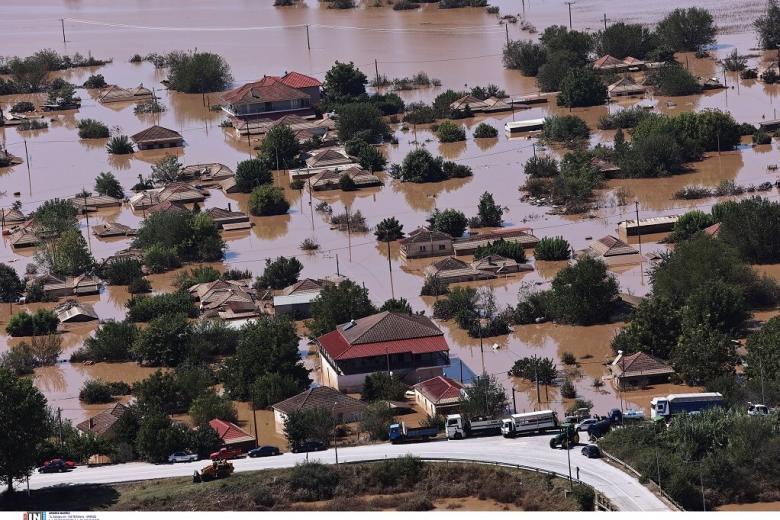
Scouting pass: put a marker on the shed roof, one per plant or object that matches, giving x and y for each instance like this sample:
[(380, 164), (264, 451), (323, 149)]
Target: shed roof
[(321, 397), (73, 310), (639, 363), (608, 62), (230, 433), (612, 246)]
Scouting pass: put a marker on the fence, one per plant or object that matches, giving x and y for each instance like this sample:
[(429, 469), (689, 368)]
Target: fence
[(601, 502), (630, 469)]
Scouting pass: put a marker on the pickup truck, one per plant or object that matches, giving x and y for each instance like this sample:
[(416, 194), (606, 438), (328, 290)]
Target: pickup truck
[(400, 433), (227, 453)]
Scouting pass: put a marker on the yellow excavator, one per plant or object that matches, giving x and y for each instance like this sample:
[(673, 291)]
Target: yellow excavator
[(216, 470)]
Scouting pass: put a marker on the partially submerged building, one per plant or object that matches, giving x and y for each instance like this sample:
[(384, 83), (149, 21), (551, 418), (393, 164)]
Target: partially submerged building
[(345, 409), (625, 86), (453, 270), (410, 346), (423, 243), (57, 287), (639, 369), (468, 245), (10, 216), (156, 137), (117, 94), (94, 202), (611, 250), (228, 219), (206, 174), (113, 229), (72, 311), (329, 179), (227, 299), (322, 160), (273, 97), (295, 300), (179, 192), (481, 106)]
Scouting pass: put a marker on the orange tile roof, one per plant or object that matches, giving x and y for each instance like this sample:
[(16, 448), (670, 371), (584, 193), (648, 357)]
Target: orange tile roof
[(297, 80), (439, 389)]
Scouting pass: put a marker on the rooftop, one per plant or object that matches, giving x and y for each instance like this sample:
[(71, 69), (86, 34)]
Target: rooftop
[(440, 390), (229, 433), (321, 397)]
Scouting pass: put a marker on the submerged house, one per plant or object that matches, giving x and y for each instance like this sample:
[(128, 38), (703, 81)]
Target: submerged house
[(157, 137), (296, 299), (611, 250), (608, 63), (211, 173), (453, 270), (227, 299), (468, 245), (625, 86), (116, 94), (639, 369), (476, 105), (410, 346), (345, 409), (113, 229), (69, 285), (438, 395), (323, 160), (303, 127), (75, 311), (94, 202), (227, 218), (273, 97), (422, 243), (329, 179), (11, 216), (499, 265), (176, 192)]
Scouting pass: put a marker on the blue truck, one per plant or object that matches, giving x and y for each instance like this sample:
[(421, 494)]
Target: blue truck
[(398, 432), (663, 408)]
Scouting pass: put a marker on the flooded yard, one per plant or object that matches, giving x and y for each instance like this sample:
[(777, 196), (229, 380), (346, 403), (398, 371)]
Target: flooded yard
[(462, 48)]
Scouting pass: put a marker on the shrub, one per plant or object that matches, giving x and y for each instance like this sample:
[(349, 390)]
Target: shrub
[(582, 87), (268, 200), (433, 286), (526, 57), (346, 183), (552, 248), (41, 322), (119, 145), (22, 107), (761, 137), (32, 124), (626, 118), (146, 308), (95, 391), (152, 106), (95, 81), (501, 247), (567, 358), (369, 157), (489, 214), (318, 481), (197, 72), (455, 171), (107, 184), (567, 390), (112, 342), (389, 229), (674, 80), (541, 166), (122, 271), (419, 113), (309, 244), (485, 131), (252, 173), (449, 132), (687, 29), (279, 273), (566, 129), (404, 5), (159, 258)]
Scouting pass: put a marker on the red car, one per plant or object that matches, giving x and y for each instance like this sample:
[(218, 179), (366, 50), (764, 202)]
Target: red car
[(227, 453), (69, 464)]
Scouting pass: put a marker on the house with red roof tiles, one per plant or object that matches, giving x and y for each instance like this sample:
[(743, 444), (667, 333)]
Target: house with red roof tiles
[(273, 97), (639, 369), (438, 395), (232, 436), (407, 345)]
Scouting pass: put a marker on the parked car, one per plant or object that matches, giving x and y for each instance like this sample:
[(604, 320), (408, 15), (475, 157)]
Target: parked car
[(591, 451), (227, 453), (69, 464), (54, 466), (264, 451), (309, 446), (582, 426), (182, 456)]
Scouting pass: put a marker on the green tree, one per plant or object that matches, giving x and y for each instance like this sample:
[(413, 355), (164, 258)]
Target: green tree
[(178, 235), (687, 29), (389, 229), (702, 354), (198, 72), (281, 146), (751, 226), (449, 132), (41, 322), (689, 224), (338, 304), (158, 437), (541, 166), (674, 80), (119, 145), (484, 397), (113, 341), (717, 305), (535, 369), (146, 308), (654, 328), (450, 221), (23, 412), (167, 170), (344, 82), (376, 420), (268, 200), (361, 120), (212, 406), (566, 129), (11, 286), (252, 173), (369, 157), (490, 214), (272, 388), (420, 166), (625, 39), (107, 184), (552, 248), (279, 273), (501, 247), (526, 57), (346, 183), (551, 74), (196, 275), (582, 87), (396, 305), (763, 356), (164, 342), (266, 345), (767, 26), (485, 131), (95, 391), (67, 255), (559, 39), (92, 129), (584, 293), (308, 424), (54, 217), (382, 386)]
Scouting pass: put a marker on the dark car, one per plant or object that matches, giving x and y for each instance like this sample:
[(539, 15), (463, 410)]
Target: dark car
[(591, 451), (309, 446), (54, 466), (264, 451)]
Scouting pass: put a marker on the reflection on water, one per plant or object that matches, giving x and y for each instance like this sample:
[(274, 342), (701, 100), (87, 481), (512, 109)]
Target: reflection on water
[(61, 164)]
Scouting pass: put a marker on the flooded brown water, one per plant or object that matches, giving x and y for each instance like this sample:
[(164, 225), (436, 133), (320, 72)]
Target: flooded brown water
[(461, 47)]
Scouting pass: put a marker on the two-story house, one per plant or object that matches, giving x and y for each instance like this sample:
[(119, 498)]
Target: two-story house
[(410, 346), (273, 97)]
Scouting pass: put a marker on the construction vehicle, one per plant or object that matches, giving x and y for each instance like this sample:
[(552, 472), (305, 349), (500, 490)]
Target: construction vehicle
[(567, 438), (398, 432), (529, 422), (216, 470), (663, 408), (460, 427)]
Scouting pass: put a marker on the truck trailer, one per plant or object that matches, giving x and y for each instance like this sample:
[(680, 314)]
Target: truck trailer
[(398, 432), (681, 404), (459, 427), (529, 422)]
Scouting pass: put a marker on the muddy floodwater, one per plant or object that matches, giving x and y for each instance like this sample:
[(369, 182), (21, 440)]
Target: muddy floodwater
[(460, 47)]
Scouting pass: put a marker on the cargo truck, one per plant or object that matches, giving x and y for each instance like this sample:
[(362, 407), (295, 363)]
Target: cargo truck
[(663, 408), (460, 427), (398, 432), (529, 422)]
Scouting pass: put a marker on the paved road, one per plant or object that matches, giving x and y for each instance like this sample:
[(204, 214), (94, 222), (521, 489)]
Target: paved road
[(624, 491)]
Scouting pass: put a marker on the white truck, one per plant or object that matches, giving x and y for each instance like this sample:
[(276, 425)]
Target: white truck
[(459, 427), (683, 404), (529, 422)]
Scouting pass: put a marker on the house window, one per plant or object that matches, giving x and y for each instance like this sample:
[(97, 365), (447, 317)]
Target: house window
[(442, 247), (422, 248), (268, 106)]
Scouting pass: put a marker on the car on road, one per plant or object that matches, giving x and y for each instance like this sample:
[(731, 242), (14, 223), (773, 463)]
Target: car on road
[(591, 451), (54, 466), (264, 451), (582, 426), (309, 446), (182, 456), (227, 453)]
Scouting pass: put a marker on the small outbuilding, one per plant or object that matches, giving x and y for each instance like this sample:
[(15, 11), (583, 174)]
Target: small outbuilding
[(438, 395), (103, 425), (233, 436), (345, 409), (72, 311), (639, 369), (611, 250), (423, 243), (113, 229), (157, 137)]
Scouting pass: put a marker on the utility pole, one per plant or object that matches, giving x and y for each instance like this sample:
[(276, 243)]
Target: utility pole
[(570, 28), (514, 399), (638, 231), (390, 267), (308, 42), (254, 419), (62, 24), (59, 422), (86, 214), (337, 265), (568, 459), (349, 236), (605, 21), (29, 175), (376, 70), (533, 145), (335, 442), (506, 26)]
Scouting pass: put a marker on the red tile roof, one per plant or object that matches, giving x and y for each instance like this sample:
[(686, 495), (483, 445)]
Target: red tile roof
[(338, 348), (229, 433), (267, 90), (439, 389), (297, 80)]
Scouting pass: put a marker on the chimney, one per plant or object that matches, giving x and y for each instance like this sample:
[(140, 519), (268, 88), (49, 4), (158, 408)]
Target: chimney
[(618, 358)]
